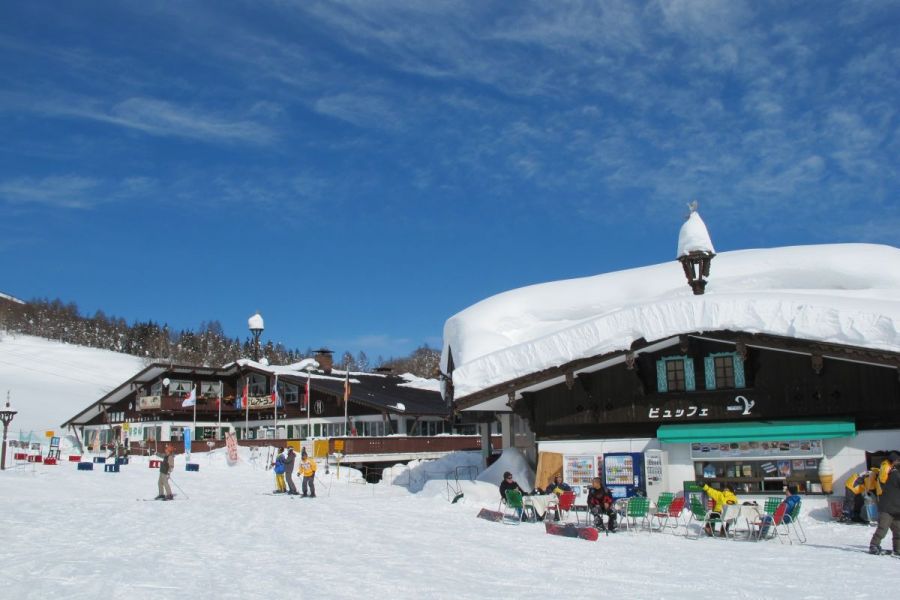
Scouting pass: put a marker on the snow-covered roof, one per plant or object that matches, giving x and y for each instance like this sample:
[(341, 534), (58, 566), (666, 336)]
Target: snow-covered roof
[(840, 293), (11, 298)]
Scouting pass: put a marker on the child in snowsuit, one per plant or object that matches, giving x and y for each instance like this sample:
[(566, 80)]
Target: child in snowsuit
[(279, 473), (308, 471), (600, 503)]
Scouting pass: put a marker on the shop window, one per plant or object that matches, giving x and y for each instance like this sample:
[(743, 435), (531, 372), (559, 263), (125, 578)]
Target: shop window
[(675, 374), (724, 370), (317, 430)]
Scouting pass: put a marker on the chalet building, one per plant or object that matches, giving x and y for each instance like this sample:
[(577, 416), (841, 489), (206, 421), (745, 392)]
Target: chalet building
[(149, 409), (785, 369)]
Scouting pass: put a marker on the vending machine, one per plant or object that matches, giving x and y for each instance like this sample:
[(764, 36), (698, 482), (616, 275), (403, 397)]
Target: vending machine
[(623, 474), (656, 473), (578, 471)]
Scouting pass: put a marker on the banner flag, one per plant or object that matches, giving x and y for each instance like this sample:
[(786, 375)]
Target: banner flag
[(190, 399)]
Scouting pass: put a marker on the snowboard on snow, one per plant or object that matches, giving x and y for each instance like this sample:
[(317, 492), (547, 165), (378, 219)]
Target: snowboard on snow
[(585, 532), (490, 515)]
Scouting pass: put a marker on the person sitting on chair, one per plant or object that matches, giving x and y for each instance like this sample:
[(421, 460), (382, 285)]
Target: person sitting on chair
[(509, 483), (600, 502), (557, 486), (721, 498)]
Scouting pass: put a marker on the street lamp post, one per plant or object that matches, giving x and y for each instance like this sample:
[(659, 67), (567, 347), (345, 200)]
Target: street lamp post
[(256, 326), (6, 416)]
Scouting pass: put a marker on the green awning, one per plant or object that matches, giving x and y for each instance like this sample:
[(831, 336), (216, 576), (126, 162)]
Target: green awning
[(755, 431)]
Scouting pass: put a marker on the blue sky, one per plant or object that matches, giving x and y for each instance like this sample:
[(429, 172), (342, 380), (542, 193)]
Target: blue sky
[(359, 171)]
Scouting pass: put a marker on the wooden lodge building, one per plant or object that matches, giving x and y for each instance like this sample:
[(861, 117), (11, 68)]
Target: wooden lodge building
[(752, 384), (388, 416)]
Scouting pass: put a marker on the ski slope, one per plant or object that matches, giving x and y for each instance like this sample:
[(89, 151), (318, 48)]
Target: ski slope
[(49, 382)]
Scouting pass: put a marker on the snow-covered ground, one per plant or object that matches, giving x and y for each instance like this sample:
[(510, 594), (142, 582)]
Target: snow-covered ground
[(49, 382), (70, 534)]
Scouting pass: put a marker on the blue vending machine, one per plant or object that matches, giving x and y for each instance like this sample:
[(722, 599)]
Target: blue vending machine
[(623, 474)]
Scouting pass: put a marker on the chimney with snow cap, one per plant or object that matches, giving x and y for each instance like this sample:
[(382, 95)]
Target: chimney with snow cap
[(323, 357)]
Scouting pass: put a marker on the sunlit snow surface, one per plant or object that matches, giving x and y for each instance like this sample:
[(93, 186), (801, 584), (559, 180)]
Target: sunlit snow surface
[(840, 293), (84, 535), (50, 382)]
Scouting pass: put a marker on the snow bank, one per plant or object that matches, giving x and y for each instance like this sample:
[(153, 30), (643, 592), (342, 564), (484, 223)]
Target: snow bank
[(844, 293), (415, 475), (514, 461)]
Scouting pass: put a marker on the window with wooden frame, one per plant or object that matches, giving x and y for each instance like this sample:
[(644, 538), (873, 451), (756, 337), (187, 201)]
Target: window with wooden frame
[(724, 370), (675, 374)]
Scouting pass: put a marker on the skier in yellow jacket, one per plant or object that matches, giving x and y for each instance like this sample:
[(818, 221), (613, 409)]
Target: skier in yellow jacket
[(307, 469), (721, 498)]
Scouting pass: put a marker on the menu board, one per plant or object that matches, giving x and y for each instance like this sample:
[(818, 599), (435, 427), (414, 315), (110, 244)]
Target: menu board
[(774, 449)]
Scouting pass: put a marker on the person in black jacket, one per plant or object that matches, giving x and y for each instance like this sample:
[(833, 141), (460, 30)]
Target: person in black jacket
[(289, 470), (509, 483), (600, 503), (889, 508)]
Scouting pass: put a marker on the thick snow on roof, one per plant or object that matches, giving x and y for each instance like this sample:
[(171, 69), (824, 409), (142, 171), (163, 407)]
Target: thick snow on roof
[(841, 293), (693, 236)]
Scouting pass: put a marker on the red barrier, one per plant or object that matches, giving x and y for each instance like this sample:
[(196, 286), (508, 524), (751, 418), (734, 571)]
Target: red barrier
[(154, 464), (73, 458), (50, 461), (20, 456)]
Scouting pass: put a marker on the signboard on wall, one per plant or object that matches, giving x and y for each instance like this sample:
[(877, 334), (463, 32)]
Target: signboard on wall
[(149, 402), (752, 450), (260, 402)]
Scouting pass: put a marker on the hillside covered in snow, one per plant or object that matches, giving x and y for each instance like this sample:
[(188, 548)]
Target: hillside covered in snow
[(48, 381)]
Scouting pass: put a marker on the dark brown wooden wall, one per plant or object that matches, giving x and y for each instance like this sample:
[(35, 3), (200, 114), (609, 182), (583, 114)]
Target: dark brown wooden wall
[(616, 402)]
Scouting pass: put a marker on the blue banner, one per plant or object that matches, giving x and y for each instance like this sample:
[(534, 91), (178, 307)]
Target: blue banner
[(187, 441)]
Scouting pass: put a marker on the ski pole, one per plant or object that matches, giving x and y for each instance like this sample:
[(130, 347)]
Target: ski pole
[(186, 497)]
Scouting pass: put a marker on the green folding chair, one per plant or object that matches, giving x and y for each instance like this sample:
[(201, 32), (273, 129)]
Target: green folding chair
[(516, 507), (794, 524), (638, 508), (662, 507), (701, 516)]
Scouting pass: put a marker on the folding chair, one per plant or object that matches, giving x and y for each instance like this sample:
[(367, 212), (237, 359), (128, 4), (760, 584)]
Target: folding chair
[(638, 508), (673, 512), (662, 507), (775, 524), (794, 523), (563, 506), (701, 516), (516, 507)]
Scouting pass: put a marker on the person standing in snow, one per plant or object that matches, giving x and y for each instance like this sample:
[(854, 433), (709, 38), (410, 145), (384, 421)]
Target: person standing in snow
[(308, 471), (278, 467), (289, 461), (166, 465), (888, 506)]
